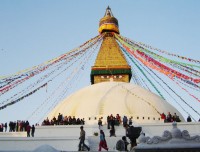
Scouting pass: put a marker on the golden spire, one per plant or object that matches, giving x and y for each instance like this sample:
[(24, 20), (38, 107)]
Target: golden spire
[(110, 64)]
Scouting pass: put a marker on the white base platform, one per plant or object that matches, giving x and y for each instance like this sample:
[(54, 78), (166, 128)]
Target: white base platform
[(65, 138)]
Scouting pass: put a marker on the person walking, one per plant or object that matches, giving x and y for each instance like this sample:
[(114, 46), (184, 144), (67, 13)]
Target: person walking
[(130, 134), (102, 143), (5, 126), (108, 122), (130, 121), (28, 129), (82, 139), (32, 130), (112, 125), (133, 133), (125, 121), (100, 123)]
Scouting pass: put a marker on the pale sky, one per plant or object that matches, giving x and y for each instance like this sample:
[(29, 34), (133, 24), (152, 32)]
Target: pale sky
[(32, 32)]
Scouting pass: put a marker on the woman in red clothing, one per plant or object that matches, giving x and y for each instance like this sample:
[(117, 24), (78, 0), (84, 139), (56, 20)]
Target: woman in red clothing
[(102, 143)]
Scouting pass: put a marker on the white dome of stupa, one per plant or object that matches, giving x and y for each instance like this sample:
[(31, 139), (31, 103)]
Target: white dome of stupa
[(106, 98)]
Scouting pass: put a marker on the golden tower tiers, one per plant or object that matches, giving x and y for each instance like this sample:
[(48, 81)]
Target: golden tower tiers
[(110, 64)]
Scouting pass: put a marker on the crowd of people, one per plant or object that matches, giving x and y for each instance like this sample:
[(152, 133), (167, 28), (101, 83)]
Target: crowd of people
[(170, 118), (131, 132), (2, 126), (63, 120), (14, 126), (117, 120), (18, 126)]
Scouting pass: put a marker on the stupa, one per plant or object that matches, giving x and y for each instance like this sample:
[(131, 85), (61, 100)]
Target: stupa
[(111, 91)]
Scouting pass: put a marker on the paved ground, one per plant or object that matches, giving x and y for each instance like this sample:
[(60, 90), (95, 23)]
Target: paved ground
[(111, 141), (94, 143)]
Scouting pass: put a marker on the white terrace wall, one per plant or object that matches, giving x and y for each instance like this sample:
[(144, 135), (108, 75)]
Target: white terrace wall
[(158, 128), (65, 138)]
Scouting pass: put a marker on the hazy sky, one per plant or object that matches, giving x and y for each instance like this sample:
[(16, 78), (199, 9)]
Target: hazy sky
[(32, 32)]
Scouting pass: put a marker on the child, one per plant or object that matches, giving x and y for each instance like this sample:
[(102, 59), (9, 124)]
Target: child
[(125, 142)]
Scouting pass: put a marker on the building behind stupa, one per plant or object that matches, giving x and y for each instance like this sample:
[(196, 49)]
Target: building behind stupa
[(111, 92)]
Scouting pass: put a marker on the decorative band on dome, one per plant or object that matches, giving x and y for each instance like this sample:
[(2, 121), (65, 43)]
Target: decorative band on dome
[(109, 21)]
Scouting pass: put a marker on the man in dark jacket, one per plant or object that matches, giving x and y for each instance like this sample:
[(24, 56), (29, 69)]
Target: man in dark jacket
[(82, 139), (32, 130), (133, 133)]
